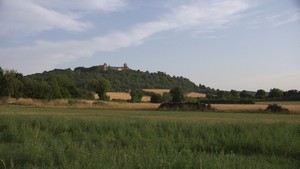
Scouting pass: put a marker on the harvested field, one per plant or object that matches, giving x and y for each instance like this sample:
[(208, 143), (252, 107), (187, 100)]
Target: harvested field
[(162, 91), (74, 103), (125, 96), (158, 91), (196, 94), (119, 95), (253, 107)]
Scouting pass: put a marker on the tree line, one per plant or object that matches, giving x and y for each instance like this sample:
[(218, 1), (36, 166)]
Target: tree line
[(259, 95), (84, 82)]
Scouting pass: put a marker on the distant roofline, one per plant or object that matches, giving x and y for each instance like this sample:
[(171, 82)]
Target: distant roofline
[(105, 66)]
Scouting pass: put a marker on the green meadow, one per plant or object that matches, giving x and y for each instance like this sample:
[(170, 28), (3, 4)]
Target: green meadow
[(93, 138)]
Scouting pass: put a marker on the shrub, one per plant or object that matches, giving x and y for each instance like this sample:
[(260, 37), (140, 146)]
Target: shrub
[(136, 96), (276, 108), (156, 98), (188, 106), (177, 95)]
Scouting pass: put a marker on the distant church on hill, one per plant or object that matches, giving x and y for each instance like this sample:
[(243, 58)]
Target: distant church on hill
[(108, 67)]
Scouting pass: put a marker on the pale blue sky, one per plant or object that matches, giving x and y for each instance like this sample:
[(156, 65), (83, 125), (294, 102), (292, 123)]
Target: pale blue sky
[(225, 44)]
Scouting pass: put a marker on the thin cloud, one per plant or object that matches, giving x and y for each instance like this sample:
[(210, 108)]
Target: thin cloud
[(46, 55), (103, 5), (285, 18), (33, 17)]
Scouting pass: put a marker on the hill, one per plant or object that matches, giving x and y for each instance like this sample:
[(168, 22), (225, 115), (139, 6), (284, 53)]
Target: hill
[(77, 83)]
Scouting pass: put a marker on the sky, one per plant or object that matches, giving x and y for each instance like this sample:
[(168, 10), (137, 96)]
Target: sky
[(223, 44)]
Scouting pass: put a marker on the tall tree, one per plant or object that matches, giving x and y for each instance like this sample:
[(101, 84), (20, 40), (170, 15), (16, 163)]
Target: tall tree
[(101, 86), (177, 95), (235, 93), (136, 95), (245, 94), (275, 93), (156, 98), (10, 83), (260, 94)]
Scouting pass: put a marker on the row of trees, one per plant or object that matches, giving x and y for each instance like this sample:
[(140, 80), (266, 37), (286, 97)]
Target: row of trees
[(126, 79), (175, 95), (14, 84), (82, 82), (273, 94)]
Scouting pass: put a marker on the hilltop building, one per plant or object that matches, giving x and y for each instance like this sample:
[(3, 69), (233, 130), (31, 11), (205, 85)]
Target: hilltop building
[(108, 67)]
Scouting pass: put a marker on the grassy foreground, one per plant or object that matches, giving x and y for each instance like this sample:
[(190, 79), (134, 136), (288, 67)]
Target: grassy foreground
[(89, 138)]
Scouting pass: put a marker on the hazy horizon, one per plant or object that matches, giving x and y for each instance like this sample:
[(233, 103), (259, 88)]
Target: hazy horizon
[(223, 44)]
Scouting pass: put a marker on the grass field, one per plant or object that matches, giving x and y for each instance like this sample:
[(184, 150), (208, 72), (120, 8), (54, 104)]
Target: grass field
[(95, 138)]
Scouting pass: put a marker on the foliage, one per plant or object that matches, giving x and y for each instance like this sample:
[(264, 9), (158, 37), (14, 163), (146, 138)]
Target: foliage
[(156, 98), (177, 95), (166, 97), (235, 93), (276, 108), (123, 80), (66, 83), (101, 86), (136, 95), (51, 87), (10, 83), (245, 94), (291, 95), (186, 106), (275, 93), (260, 94)]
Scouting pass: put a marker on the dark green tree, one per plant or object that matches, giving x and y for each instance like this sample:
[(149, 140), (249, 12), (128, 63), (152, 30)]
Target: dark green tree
[(260, 94), (2, 82), (156, 98), (275, 93), (166, 97), (10, 83), (224, 95), (136, 95), (292, 95), (235, 93), (245, 94), (177, 95), (101, 86)]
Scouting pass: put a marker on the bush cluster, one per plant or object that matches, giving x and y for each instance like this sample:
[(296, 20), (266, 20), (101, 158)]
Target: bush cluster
[(188, 106)]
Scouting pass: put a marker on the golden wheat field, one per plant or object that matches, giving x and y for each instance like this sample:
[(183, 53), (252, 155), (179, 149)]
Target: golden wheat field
[(125, 96), (75, 103), (162, 91), (253, 107), (158, 91), (196, 94)]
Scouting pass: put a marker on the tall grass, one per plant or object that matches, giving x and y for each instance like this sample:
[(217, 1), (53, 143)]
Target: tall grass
[(45, 142)]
